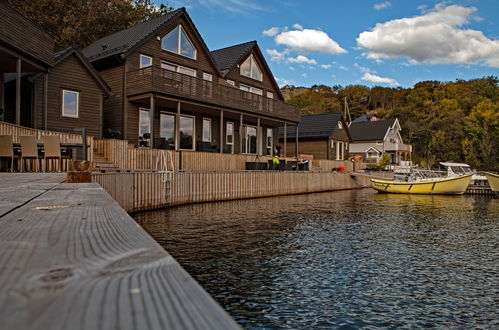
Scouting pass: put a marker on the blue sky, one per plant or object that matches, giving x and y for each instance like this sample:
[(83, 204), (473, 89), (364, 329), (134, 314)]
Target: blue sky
[(370, 42)]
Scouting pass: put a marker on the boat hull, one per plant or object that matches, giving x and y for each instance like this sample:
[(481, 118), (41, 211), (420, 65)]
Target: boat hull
[(447, 186), (493, 181)]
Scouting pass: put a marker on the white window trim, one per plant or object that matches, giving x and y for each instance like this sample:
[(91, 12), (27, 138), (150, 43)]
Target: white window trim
[(174, 122), (177, 68), (251, 89), (148, 121), (233, 136), (271, 137), (270, 95), (207, 76), (181, 28), (231, 82), (193, 132), (340, 125), (252, 59), (209, 127), (77, 103), (140, 61), (246, 140)]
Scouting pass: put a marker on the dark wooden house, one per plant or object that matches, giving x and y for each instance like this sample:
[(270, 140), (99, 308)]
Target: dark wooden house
[(170, 91), (42, 89), (325, 136)]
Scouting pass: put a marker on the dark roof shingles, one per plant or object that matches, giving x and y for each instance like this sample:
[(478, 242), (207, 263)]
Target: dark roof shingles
[(314, 126), (227, 58), (370, 130)]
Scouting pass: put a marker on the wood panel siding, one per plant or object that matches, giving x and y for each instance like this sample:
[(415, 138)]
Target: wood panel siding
[(317, 148), (71, 74), (24, 36), (113, 105)]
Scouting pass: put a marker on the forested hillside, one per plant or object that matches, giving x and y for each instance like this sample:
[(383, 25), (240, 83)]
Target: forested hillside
[(456, 121)]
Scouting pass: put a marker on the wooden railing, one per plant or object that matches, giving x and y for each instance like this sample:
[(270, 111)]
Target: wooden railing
[(136, 191), (17, 131), (155, 79)]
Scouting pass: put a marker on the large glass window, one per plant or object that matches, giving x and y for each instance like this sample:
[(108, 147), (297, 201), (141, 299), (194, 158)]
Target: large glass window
[(167, 131), (145, 61), (229, 137), (178, 68), (250, 68), (143, 122), (186, 132), (270, 141), (250, 89), (70, 103), (206, 130), (177, 42), (250, 139)]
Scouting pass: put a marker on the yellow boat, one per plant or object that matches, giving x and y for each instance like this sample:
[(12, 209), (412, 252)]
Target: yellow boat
[(493, 180), (447, 186)]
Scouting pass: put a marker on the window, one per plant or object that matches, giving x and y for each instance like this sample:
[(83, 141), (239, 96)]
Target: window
[(178, 68), (177, 42), (379, 143), (167, 130), (270, 141), (250, 89), (207, 76), (340, 150), (144, 122), (231, 82), (229, 137), (250, 139), (145, 61), (206, 130), (270, 95), (186, 132), (70, 103), (250, 68), (340, 125)]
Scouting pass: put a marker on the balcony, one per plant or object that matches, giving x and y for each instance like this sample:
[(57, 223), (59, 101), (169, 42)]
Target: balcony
[(158, 80), (398, 147)]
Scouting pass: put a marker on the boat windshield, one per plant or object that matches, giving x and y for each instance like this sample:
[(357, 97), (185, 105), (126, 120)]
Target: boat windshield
[(461, 170)]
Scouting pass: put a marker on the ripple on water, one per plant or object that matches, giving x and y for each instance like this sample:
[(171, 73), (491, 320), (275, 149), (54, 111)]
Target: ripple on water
[(348, 259)]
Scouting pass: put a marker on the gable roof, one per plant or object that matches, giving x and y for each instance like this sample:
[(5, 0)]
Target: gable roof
[(315, 126), (125, 40), (63, 54), (364, 118), (228, 58), (370, 130)]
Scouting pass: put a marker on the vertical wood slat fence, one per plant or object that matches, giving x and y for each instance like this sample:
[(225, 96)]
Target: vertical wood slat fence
[(136, 191), (125, 157), (17, 131)]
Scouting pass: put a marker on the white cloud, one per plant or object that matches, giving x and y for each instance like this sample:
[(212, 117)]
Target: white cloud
[(275, 55), (304, 75), (283, 81), (271, 32), (434, 37), (342, 67), (308, 40), (379, 80), (298, 26), (301, 59), (232, 6), (382, 5), (326, 66)]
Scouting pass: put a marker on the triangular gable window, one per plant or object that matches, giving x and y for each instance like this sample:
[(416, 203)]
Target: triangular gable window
[(250, 68), (177, 42)]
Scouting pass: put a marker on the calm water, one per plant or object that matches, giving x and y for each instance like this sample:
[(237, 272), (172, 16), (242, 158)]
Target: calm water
[(345, 259)]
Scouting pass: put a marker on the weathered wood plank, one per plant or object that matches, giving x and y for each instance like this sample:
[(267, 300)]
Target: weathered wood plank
[(73, 259)]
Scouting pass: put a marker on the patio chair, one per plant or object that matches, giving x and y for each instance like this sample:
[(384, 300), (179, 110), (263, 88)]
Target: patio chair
[(29, 151), (7, 150), (52, 149)]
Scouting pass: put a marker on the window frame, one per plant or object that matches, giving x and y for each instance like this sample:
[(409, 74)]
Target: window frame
[(271, 146), (177, 68), (207, 76), (252, 60), (140, 61), (193, 132), (246, 140), (180, 29), (63, 91), (251, 89), (210, 137), (227, 143), (148, 120), (231, 82), (165, 113)]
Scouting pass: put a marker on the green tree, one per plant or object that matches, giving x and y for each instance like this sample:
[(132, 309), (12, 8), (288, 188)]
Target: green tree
[(82, 22)]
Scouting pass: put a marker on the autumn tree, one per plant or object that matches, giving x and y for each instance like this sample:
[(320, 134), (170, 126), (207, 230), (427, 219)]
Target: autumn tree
[(82, 22)]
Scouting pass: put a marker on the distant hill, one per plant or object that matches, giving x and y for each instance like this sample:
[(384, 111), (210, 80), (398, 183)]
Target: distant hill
[(455, 121)]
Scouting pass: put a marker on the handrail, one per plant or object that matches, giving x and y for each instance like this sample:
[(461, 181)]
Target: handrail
[(160, 80)]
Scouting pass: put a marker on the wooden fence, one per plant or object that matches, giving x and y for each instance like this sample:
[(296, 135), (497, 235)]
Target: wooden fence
[(17, 131), (122, 156), (136, 191)]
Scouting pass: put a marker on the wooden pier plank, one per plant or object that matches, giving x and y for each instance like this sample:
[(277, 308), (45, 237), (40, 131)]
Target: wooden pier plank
[(73, 259)]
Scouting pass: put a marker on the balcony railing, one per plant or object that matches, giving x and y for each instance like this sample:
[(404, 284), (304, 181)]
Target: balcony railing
[(398, 147), (155, 79)]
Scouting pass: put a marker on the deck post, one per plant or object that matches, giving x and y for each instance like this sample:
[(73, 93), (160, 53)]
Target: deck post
[(285, 138), (45, 98), (241, 134), (151, 120), (258, 137), (221, 142), (2, 96), (296, 144), (18, 91), (177, 129)]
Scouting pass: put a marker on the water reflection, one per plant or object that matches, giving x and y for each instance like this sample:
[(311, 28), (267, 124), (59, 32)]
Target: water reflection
[(342, 259)]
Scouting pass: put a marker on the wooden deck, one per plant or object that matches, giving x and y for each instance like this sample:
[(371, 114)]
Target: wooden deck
[(73, 259)]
